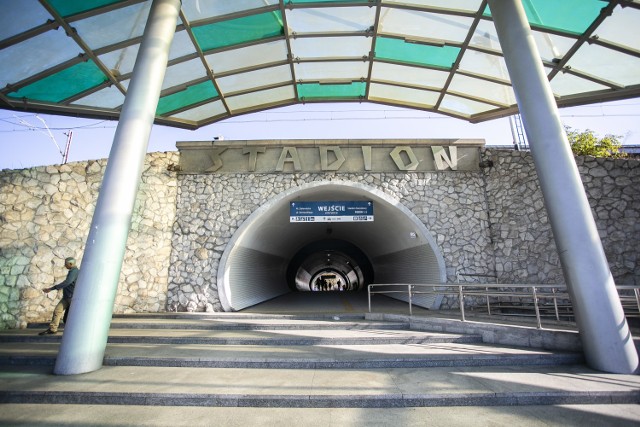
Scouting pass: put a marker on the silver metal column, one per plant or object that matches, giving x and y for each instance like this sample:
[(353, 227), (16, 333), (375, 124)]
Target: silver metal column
[(603, 329), (85, 336)]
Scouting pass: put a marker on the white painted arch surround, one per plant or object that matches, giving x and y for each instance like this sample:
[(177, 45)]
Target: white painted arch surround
[(400, 247)]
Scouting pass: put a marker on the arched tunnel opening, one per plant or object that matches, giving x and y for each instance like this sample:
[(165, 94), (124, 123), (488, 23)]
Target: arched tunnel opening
[(329, 265), (270, 256)]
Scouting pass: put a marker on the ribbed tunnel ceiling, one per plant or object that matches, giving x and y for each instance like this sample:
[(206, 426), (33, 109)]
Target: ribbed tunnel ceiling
[(234, 57), (273, 233), (397, 246)]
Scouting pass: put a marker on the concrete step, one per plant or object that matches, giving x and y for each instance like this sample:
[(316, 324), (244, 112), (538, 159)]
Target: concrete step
[(233, 324), (236, 341), (324, 388), (393, 370), (241, 316), (605, 415), (299, 357), (292, 337)]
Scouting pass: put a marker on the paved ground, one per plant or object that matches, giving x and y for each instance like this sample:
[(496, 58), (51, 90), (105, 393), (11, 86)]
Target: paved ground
[(199, 385), (357, 302), (494, 416), (483, 396), (332, 302)]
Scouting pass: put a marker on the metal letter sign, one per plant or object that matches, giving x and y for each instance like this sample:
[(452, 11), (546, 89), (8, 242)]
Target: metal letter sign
[(359, 211)]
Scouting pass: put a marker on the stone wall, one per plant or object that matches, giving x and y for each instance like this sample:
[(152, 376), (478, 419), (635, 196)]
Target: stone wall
[(523, 244), (211, 208), (45, 214), (613, 188), (521, 233), (488, 224)]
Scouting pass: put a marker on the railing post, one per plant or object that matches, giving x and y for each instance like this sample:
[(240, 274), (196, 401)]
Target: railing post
[(369, 296), (555, 303), (486, 288), (410, 305), (461, 294), (535, 304)]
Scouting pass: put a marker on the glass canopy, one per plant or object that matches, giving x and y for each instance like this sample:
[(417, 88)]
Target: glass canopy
[(235, 57)]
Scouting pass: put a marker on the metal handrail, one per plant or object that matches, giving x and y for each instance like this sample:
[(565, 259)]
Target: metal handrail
[(482, 289), (476, 289), (630, 298)]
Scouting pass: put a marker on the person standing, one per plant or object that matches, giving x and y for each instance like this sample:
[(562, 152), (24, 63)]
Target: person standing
[(67, 293)]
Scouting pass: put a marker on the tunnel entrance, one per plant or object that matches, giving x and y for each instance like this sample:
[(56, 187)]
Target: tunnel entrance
[(329, 265), (269, 256)]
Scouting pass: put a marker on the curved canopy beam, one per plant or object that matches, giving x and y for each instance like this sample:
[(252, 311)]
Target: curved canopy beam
[(230, 58)]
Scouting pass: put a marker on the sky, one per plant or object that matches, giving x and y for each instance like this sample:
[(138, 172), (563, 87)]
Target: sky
[(28, 139)]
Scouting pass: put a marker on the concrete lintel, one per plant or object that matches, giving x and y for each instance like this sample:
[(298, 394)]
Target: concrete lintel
[(194, 145)]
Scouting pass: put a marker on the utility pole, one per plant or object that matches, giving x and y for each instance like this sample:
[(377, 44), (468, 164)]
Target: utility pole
[(65, 156), (65, 153)]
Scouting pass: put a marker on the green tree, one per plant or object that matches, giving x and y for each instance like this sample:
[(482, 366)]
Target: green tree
[(587, 143)]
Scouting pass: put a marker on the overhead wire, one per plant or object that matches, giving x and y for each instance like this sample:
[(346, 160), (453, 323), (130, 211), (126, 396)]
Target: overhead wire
[(339, 115)]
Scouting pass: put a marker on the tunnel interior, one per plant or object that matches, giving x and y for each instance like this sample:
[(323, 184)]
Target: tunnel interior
[(269, 256), (329, 265)]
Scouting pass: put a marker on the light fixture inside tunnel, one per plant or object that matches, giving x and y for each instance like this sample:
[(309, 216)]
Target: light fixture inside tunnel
[(329, 266)]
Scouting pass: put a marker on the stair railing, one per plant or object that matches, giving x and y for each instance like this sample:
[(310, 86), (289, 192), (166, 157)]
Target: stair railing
[(487, 291), (630, 300)]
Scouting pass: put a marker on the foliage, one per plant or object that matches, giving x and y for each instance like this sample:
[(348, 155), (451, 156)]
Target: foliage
[(587, 143)]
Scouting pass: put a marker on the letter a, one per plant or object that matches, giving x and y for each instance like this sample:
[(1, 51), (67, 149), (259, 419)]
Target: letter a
[(289, 154)]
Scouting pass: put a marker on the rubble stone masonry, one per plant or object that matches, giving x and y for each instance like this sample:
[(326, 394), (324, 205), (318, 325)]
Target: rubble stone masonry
[(490, 222)]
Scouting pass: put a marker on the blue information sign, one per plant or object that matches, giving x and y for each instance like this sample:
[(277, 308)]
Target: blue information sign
[(341, 211)]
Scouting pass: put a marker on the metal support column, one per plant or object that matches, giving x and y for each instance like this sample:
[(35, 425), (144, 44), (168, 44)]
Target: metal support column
[(85, 336), (605, 335)]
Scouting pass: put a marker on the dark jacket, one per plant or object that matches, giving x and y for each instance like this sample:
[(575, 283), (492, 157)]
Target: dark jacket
[(69, 283)]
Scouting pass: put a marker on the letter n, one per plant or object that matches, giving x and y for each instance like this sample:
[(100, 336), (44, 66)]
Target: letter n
[(442, 159)]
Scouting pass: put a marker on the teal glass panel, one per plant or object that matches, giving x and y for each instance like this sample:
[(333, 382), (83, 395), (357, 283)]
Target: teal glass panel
[(191, 95), (331, 91), (63, 84), (570, 16), (237, 31), (72, 7), (412, 53)]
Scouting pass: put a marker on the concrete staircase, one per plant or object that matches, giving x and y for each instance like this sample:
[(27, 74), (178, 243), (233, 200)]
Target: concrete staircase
[(288, 362)]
